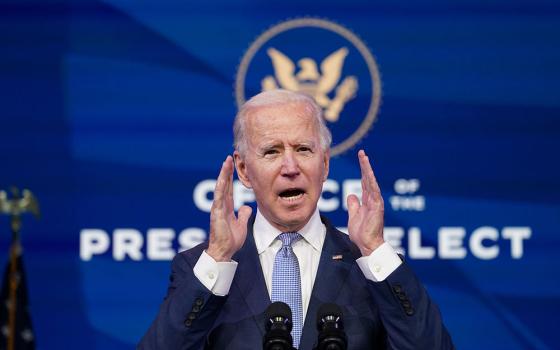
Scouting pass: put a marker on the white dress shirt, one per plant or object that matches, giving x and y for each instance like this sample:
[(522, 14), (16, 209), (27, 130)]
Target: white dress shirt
[(218, 276), (307, 250)]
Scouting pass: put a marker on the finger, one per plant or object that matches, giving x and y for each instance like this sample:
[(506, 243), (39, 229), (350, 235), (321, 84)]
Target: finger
[(372, 178), (365, 187), (229, 185), (243, 215), (220, 188), (365, 168), (376, 198), (353, 204), (361, 157), (368, 175)]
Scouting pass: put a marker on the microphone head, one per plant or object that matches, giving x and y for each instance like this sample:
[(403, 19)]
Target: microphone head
[(278, 327), (278, 309), (278, 313), (329, 312), (331, 329), (329, 309)]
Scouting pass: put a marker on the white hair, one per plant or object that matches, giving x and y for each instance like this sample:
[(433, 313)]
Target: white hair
[(272, 98)]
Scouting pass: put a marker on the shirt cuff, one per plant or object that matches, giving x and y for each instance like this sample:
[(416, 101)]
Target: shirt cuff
[(380, 263), (215, 276)]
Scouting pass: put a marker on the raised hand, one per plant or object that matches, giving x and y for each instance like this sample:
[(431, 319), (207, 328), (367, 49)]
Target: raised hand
[(365, 220), (227, 232)]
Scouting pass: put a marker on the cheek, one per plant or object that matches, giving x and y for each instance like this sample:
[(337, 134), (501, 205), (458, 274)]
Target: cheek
[(266, 172), (322, 171), (262, 180)]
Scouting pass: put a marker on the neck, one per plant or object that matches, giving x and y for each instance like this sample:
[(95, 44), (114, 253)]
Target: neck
[(294, 226)]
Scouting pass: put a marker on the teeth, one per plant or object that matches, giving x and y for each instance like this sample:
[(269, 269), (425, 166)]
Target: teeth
[(293, 198)]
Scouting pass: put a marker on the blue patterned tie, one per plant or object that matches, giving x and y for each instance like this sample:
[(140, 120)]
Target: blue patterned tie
[(286, 282)]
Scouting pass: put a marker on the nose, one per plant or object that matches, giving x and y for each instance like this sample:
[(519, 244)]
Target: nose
[(290, 165)]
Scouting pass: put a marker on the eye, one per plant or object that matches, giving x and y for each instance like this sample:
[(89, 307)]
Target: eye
[(304, 149), (270, 152)]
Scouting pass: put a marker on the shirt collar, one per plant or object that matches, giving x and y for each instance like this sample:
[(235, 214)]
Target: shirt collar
[(265, 234)]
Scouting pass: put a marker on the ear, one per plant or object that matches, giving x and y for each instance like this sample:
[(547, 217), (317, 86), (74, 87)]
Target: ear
[(241, 168), (327, 158)]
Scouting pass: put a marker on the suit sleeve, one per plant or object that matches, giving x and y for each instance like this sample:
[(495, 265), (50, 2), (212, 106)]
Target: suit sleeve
[(187, 313), (410, 318)]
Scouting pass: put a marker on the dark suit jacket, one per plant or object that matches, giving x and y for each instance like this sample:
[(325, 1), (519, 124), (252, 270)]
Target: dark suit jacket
[(394, 314)]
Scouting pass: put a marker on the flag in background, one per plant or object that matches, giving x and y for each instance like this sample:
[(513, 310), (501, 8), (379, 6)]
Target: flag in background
[(16, 332)]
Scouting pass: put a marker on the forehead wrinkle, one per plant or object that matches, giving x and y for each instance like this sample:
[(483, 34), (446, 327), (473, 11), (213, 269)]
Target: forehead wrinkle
[(267, 126), (263, 125), (272, 113), (266, 138)]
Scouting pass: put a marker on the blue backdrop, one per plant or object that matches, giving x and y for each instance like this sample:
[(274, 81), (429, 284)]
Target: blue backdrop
[(117, 115)]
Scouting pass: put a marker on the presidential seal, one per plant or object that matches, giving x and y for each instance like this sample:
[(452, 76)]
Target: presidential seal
[(324, 60)]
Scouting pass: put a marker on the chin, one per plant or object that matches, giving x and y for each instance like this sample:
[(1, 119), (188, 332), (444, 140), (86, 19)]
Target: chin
[(295, 220)]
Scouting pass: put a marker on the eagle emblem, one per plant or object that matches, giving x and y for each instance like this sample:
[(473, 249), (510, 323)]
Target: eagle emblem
[(308, 80)]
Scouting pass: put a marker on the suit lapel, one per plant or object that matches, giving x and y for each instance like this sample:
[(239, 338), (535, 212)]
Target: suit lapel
[(249, 278), (331, 276)]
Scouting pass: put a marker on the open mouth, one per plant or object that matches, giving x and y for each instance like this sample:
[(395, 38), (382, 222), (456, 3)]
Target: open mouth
[(292, 194)]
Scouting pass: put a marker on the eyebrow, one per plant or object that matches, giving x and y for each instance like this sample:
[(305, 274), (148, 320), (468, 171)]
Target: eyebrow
[(269, 145), (273, 144), (310, 144)]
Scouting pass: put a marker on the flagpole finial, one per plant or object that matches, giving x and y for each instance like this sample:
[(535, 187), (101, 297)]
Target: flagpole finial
[(19, 204)]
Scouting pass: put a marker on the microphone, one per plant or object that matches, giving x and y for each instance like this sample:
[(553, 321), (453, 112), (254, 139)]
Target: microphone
[(278, 327), (331, 328)]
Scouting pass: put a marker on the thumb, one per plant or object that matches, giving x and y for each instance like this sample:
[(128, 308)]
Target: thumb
[(353, 204), (243, 215)]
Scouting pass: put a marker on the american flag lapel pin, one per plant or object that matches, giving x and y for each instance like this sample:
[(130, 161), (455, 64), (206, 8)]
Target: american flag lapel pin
[(337, 257)]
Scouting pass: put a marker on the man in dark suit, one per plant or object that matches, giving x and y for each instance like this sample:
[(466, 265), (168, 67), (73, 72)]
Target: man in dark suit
[(287, 252)]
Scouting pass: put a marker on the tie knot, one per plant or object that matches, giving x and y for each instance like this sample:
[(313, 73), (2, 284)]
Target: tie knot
[(288, 238)]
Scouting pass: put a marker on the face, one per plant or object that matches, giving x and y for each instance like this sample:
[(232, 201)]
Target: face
[(284, 164)]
